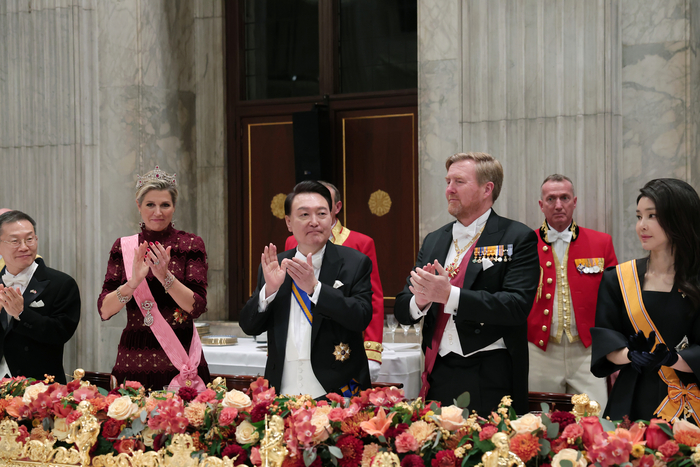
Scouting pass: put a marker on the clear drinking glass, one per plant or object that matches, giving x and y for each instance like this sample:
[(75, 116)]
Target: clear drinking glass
[(417, 327), (392, 323)]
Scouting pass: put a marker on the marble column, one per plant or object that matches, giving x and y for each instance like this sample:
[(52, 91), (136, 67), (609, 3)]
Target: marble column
[(92, 94), (536, 84), (49, 136), (659, 104)]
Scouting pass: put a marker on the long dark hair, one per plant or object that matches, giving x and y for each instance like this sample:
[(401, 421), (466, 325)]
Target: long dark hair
[(678, 212)]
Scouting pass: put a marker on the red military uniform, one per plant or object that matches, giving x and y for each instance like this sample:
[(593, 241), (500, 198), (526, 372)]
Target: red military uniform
[(364, 244), (588, 254)]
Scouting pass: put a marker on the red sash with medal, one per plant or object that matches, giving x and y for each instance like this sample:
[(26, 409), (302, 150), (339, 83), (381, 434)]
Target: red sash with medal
[(186, 364), (679, 395)]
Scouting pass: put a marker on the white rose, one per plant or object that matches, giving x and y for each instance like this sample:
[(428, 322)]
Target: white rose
[(32, 392), (246, 434), (320, 422), (122, 408), (571, 455), (451, 418), (527, 423), (60, 429), (148, 436), (237, 399)]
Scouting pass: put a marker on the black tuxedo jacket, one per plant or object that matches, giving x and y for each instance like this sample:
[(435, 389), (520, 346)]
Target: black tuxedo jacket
[(33, 346), (493, 303), (340, 316)]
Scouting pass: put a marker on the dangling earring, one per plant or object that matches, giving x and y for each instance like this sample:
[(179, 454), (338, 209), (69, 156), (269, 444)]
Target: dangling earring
[(141, 225), (172, 224)]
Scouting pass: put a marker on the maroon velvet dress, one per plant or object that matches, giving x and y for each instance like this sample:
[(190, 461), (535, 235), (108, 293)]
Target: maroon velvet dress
[(140, 356)]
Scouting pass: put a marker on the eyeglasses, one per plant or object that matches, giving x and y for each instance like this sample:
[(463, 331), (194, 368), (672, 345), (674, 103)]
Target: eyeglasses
[(29, 241)]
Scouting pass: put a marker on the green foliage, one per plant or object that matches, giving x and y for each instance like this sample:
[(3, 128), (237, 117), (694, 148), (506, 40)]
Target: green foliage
[(463, 400)]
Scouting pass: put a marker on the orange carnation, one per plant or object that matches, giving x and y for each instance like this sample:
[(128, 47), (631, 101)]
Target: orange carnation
[(689, 438), (525, 446)]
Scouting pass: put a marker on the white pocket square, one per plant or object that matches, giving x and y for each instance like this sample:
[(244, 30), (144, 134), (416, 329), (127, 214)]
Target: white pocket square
[(37, 304), (337, 284), (487, 263)]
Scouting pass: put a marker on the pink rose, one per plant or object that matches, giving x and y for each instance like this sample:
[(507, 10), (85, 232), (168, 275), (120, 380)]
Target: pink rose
[(255, 456), (133, 385), (591, 427), (227, 416), (206, 396), (655, 435), (336, 415), (405, 442)]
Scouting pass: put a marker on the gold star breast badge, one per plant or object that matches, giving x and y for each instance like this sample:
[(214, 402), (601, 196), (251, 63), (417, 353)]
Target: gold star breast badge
[(342, 352)]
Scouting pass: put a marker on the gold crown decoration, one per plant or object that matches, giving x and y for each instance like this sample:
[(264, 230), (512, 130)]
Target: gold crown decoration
[(155, 175)]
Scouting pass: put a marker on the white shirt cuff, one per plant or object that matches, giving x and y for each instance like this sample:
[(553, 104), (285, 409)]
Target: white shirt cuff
[(453, 301), (317, 291), (264, 302), (417, 313)]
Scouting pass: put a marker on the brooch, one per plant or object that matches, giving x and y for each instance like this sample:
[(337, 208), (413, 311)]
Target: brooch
[(32, 291), (342, 352)]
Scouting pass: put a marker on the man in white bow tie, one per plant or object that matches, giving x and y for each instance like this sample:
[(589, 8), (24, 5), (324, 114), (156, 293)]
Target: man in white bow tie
[(40, 307), (473, 286), (572, 260), (313, 301)]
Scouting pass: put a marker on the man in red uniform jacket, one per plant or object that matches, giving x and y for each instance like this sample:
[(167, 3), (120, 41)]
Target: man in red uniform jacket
[(343, 236), (572, 260)]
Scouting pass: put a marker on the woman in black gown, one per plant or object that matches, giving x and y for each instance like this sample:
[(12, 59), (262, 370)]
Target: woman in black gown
[(666, 288)]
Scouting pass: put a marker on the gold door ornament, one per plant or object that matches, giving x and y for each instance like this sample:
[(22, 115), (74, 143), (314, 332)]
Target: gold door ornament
[(379, 203), (277, 205)]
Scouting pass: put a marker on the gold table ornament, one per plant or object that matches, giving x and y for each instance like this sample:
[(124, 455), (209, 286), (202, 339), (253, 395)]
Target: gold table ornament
[(219, 340)]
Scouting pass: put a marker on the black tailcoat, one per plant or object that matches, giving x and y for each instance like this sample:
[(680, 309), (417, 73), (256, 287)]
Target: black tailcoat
[(33, 345), (493, 303), (340, 316)]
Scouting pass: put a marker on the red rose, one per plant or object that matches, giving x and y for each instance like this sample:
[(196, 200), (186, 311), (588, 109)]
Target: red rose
[(444, 458), (655, 435), (412, 460), (111, 428), (591, 427), (233, 450)]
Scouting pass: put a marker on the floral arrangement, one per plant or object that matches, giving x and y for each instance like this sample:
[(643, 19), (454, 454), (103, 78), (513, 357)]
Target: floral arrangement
[(345, 432)]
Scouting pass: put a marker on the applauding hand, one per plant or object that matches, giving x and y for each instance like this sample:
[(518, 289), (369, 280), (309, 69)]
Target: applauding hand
[(273, 273)]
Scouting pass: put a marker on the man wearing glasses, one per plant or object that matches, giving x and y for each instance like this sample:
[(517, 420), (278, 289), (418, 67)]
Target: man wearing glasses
[(40, 307)]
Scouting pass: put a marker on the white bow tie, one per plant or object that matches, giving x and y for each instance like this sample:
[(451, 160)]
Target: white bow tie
[(20, 280), (553, 235)]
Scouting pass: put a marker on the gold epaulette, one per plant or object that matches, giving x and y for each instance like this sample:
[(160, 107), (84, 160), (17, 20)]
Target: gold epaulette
[(374, 351)]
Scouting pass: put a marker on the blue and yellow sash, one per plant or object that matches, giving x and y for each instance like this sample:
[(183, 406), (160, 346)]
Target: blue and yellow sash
[(304, 302)]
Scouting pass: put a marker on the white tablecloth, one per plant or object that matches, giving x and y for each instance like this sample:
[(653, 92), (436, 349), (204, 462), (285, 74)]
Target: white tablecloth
[(401, 362)]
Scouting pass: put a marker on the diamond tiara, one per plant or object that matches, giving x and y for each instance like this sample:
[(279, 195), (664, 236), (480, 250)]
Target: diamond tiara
[(153, 175)]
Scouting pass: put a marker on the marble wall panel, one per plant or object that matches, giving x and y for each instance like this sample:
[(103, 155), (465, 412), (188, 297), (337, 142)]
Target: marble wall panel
[(653, 21), (438, 30), (694, 93), (166, 29), (118, 43), (439, 137)]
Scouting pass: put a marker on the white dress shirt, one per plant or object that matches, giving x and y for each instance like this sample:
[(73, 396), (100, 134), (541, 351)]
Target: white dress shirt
[(21, 280), (450, 338), (298, 376)]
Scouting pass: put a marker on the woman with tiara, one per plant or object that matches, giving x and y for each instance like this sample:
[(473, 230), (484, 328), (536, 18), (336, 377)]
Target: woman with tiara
[(160, 274), (646, 321)]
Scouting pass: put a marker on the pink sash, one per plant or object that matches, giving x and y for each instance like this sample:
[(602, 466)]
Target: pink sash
[(187, 365)]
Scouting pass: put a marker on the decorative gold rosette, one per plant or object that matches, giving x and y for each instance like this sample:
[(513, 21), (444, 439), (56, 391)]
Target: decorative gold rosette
[(277, 205), (379, 203)]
